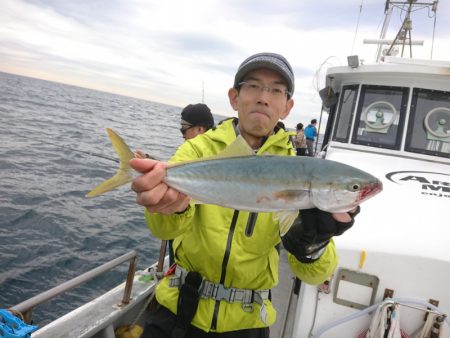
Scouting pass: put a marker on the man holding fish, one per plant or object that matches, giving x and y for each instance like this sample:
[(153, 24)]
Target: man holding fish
[(227, 258)]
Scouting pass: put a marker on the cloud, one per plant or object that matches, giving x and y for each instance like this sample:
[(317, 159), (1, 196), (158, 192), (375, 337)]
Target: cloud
[(174, 51)]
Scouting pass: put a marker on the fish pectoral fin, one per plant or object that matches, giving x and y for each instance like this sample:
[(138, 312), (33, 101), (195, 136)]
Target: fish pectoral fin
[(120, 178), (124, 174), (285, 220)]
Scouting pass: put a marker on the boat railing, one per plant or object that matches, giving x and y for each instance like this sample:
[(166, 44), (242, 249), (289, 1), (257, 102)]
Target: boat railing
[(26, 308)]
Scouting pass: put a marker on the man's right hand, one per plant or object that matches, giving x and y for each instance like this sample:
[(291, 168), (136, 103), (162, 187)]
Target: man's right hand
[(151, 190), (312, 231)]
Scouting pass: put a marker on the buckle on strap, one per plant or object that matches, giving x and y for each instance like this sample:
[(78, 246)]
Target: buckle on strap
[(178, 277), (232, 295), (220, 292)]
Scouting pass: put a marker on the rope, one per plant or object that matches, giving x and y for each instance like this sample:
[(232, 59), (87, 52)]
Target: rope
[(149, 299), (317, 73), (157, 276), (315, 313), (147, 302), (361, 313)]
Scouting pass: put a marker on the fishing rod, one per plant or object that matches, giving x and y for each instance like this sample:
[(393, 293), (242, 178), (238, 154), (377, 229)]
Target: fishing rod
[(85, 152), (90, 153)]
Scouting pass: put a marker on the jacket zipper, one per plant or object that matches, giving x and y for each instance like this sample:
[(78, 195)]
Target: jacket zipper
[(251, 224), (226, 257)]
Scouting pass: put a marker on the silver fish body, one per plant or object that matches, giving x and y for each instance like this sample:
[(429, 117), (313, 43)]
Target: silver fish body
[(274, 183), (238, 179)]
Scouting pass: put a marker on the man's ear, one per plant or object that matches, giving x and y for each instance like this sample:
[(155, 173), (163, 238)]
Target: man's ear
[(232, 96), (287, 110)]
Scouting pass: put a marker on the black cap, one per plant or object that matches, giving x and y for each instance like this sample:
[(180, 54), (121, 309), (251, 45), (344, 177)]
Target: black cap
[(198, 115), (272, 61)]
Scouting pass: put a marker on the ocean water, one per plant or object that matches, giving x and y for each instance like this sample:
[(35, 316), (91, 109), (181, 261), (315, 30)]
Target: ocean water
[(53, 150)]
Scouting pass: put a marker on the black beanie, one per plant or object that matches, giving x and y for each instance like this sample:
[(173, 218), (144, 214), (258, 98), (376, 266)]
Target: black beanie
[(198, 115)]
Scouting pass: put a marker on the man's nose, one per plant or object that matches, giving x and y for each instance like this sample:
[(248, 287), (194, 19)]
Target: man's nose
[(264, 95)]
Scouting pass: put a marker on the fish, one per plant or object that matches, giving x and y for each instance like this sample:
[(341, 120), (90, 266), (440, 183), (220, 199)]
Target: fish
[(239, 179)]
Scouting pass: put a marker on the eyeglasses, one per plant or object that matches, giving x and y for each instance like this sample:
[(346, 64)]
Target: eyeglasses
[(255, 88), (185, 127)]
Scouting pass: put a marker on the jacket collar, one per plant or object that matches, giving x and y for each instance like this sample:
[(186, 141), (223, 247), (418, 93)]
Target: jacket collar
[(225, 132)]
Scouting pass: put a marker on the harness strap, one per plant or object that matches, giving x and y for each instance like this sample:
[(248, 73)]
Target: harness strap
[(187, 304), (219, 292)]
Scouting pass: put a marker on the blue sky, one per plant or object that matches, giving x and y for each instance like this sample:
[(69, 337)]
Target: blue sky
[(167, 51)]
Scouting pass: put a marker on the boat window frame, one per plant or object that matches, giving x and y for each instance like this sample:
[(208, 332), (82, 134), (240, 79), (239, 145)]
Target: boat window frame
[(355, 88), (401, 125), (411, 124)]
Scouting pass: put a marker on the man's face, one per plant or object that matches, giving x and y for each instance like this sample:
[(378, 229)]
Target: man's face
[(260, 110), (189, 131)]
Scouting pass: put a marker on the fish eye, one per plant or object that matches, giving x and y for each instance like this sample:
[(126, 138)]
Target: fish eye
[(355, 187)]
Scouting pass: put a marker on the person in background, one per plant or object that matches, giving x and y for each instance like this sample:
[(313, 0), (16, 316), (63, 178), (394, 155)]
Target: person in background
[(195, 120), (310, 134), (300, 140), (227, 260)]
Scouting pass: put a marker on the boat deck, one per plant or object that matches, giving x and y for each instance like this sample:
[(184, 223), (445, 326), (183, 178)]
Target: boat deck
[(281, 299), (99, 317)]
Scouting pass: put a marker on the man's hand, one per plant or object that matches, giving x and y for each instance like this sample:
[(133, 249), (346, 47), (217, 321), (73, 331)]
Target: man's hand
[(151, 190), (345, 217), (312, 231)]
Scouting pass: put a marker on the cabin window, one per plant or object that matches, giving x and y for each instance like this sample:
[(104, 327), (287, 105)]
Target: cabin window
[(380, 116), (429, 123), (346, 108)]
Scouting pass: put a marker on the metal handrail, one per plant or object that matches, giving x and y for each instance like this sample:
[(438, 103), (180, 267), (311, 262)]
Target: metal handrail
[(26, 307)]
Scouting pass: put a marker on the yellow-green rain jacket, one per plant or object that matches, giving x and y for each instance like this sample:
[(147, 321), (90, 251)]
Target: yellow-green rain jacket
[(207, 239)]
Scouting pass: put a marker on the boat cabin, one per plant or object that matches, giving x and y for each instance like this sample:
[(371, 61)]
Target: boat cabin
[(391, 119)]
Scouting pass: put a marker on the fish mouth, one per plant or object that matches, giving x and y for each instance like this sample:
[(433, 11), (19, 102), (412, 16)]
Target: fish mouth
[(370, 190)]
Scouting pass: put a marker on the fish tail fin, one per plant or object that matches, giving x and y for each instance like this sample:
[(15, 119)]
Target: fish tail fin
[(124, 174)]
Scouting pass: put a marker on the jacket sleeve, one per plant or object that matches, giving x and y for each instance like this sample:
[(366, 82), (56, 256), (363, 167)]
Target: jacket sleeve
[(318, 271), (170, 226)]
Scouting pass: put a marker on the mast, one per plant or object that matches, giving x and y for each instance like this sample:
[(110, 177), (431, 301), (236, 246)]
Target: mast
[(387, 18), (403, 36), (404, 32)]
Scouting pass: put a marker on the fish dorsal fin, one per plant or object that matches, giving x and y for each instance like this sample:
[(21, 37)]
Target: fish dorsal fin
[(238, 147)]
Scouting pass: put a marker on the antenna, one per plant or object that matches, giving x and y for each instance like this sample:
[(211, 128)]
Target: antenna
[(403, 36), (434, 9), (203, 92), (404, 32)]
